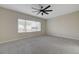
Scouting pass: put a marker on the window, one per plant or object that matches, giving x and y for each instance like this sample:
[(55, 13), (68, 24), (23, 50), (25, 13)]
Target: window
[(28, 26), (21, 25), (33, 26)]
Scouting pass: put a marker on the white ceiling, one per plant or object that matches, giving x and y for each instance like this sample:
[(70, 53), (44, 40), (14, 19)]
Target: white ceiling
[(58, 9)]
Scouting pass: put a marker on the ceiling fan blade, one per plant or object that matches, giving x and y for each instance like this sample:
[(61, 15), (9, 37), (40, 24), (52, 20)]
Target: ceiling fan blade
[(41, 6), (35, 8), (45, 12), (47, 7), (48, 10), (41, 13)]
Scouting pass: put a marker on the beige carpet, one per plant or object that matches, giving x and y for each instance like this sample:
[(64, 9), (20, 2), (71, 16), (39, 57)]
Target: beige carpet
[(41, 45)]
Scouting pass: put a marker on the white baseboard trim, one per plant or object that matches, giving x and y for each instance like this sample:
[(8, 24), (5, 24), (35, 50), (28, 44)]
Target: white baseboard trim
[(10, 40), (70, 36), (19, 39)]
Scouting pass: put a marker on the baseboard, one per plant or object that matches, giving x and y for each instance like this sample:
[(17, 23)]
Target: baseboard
[(19, 39), (70, 36), (11, 40)]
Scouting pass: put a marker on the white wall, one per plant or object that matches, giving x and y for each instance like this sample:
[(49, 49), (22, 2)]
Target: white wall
[(64, 26), (9, 28)]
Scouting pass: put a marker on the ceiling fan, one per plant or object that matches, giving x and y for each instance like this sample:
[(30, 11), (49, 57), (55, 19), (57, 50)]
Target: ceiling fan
[(42, 10)]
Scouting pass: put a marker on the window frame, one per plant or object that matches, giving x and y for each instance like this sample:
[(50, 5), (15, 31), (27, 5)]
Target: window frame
[(26, 25)]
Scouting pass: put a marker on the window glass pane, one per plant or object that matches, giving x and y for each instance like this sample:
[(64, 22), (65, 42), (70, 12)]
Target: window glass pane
[(21, 25), (38, 25), (33, 26), (28, 26)]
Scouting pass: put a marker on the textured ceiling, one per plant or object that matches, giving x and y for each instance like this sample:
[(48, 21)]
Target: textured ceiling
[(58, 9)]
